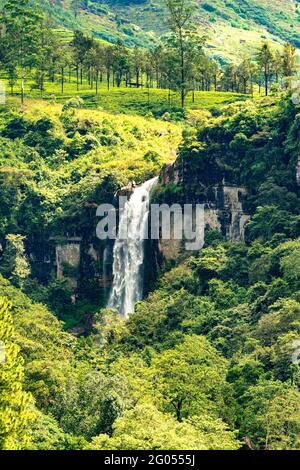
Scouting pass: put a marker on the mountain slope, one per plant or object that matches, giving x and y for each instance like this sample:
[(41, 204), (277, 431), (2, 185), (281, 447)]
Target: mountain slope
[(233, 27)]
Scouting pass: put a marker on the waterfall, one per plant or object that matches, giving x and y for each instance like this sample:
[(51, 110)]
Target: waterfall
[(128, 252)]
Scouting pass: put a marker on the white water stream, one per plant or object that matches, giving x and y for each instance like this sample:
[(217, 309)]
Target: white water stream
[(128, 252)]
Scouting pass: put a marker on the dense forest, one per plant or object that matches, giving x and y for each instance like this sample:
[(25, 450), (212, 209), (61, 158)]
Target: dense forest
[(209, 359)]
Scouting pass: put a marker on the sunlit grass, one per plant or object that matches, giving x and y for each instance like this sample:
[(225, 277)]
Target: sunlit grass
[(126, 100), (134, 137)]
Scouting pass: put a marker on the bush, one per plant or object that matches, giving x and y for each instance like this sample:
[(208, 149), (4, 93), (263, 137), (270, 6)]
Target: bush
[(76, 102)]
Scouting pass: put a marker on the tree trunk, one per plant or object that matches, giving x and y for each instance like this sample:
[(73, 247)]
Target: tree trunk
[(97, 78), (42, 84), (266, 84), (62, 79), (108, 78), (178, 408), (182, 69), (89, 75), (22, 92), (77, 77)]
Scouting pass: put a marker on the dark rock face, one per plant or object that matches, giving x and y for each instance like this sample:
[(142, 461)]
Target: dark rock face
[(223, 204), (170, 174), (223, 211), (126, 191)]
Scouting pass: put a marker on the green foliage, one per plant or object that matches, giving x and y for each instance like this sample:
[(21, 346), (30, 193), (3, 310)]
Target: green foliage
[(16, 406), (14, 263), (191, 378), (130, 20), (145, 428), (272, 416), (47, 435), (73, 103), (207, 361)]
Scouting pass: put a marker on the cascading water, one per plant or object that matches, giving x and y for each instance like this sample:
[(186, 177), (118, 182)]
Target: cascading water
[(128, 252)]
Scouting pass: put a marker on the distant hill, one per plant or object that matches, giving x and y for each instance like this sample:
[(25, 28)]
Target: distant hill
[(233, 27)]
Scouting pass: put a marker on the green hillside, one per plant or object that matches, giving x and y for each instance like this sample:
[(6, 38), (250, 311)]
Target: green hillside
[(232, 27), (149, 228), (207, 355)]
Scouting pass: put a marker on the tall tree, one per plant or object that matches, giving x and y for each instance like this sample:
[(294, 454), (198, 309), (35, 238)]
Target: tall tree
[(216, 72), (81, 44), (278, 65), (22, 23), (64, 61), (108, 62), (245, 72), (120, 62), (46, 56), (156, 59), (289, 60), (95, 60), (180, 15), (138, 65), (265, 60), (230, 78)]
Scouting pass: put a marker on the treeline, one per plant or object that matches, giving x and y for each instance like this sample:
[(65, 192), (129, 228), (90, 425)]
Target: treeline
[(31, 49)]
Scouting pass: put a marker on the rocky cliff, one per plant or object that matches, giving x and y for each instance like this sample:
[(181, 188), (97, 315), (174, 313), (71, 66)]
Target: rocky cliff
[(224, 205)]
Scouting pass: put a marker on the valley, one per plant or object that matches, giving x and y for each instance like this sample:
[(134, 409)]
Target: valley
[(135, 342)]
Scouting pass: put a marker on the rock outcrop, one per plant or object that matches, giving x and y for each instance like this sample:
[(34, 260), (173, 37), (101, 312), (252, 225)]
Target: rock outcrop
[(67, 260), (224, 206)]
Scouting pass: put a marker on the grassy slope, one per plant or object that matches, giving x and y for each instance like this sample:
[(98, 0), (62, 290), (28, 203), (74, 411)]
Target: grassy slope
[(127, 100), (124, 108), (136, 137), (233, 28)]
